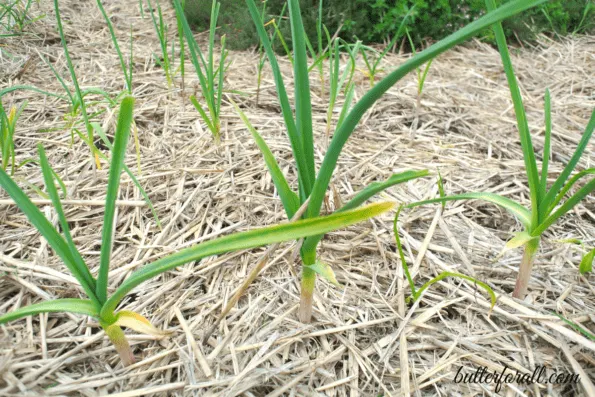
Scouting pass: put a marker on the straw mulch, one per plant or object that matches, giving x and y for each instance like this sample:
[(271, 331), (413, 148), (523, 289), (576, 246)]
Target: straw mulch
[(365, 340)]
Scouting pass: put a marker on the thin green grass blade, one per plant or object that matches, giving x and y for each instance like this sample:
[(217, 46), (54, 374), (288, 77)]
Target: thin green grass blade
[(131, 62), (376, 187), (566, 207), (401, 252), (350, 92), (352, 51), (46, 229), (204, 115), (444, 275), (48, 176), (56, 176), (365, 194), (520, 212), (93, 91), (116, 45), (441, 190), (522, 125), (546, 148), (343, 133), (279, 35), (221, 73), (397, 36), (77, 306), (303, 102), (561, 180), (182, 66), (22, 87), (4, 131), (6, 139), (245, 240), (576, 327), (319, 26), (290, 200), (173, 56), (195, 52), (312, 51), (161, 30), (204, 70), (60, 79), (366, 60), (118, 154), (212, 28), (344, 82), (97, 128), (568, 186), (334, 63), (292, 131), (424, 75)]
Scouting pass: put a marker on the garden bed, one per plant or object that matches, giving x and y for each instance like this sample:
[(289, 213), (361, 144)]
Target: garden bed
[(365, 339)]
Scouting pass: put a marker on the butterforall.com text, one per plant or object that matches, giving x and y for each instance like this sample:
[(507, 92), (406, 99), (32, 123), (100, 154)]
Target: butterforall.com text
[(507, 375)]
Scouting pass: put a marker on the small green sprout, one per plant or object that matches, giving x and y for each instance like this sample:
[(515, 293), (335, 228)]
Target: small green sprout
[(166, 60), (8, 123), (417, 293), (372, 62), (78, 99), (15, 16), (210, 75)]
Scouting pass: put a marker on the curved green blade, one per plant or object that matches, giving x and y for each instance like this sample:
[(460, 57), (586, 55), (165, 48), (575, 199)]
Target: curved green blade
[(401, 252), (204, 70), (444, 275), (13, 88), (204, 115), (376, 187), (78, 306), (520, 212), (522, 125), (48, 176), (292, 132), (127, 75), (290, 200), (568, 186), (564, 208), (368, 192), (303, 103), (97, 128), (245, 240), (546, 146), (79, 95), (561, 180), (46, 229), (118, 154), (348, 126)]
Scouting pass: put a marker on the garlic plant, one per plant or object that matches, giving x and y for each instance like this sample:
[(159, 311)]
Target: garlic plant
[(103, 306), (313, 181)]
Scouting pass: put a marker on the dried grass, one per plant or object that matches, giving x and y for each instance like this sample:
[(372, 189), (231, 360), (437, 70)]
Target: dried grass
[(365, 340)]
